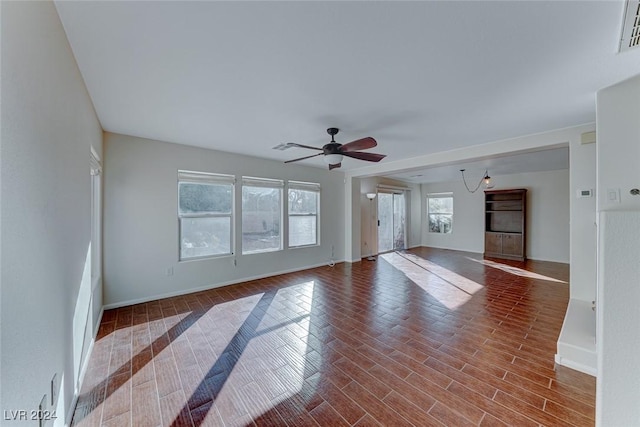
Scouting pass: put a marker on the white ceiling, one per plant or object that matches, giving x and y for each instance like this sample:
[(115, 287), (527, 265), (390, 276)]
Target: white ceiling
[(420, 77)]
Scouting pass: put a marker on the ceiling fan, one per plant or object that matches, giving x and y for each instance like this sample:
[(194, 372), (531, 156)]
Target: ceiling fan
[(334, 151)]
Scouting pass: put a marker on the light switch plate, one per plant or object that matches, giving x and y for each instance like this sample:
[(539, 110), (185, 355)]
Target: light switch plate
[(613, 195)]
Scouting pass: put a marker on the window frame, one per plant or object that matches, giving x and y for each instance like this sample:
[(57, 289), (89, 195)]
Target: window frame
[(256, 182), (429, 212), (206, 178), (309, 187)]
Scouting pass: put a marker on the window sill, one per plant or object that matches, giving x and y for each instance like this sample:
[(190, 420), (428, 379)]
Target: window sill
[(262, 251), (313, 245), (206, 257)]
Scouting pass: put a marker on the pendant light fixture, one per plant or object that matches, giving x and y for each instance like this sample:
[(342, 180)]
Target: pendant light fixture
[(486, 179)]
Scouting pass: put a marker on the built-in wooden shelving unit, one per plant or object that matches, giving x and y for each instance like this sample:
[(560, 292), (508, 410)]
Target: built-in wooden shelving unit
[(505, 223)]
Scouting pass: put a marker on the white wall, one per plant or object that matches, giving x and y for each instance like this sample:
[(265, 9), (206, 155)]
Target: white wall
[(618, 154), (352, 219), (48, 126), (576, 343), (618, 331), (141, 224), (582, 167), (547, 215), (618, 316)]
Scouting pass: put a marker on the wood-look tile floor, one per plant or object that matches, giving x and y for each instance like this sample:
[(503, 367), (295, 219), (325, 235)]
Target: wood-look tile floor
[(423, 337)]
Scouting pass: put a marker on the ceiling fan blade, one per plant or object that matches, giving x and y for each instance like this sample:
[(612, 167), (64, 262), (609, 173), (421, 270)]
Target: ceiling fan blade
[(359, 144), (337, 165), (370, 157), (293, 144), (302, 158)]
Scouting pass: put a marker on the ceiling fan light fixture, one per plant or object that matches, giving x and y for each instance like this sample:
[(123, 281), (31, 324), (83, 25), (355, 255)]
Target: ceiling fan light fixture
[(332, 159)]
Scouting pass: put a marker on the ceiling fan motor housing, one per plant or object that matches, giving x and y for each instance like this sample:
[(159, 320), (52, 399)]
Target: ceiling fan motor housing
[(332, 148)]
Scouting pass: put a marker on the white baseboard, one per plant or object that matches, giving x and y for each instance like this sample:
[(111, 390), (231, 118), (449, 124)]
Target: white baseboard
[(211, 286), (481, 252), (450, 249), (85, 365), (563, 361), (547, 260), (576, 348), (83, 370)]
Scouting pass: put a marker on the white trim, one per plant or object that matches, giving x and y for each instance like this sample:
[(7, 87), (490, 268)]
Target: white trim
[(392, 187), (440, 195), (453, 249), (209, 287), (529, 258), (563, 361), (83, 370), (94, 163), (195, 177), (522, 144), (301, 185), (482, 252), (251, 181), (85, 365), (94, 153)]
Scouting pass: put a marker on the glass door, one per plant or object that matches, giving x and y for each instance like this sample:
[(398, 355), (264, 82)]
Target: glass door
[(391, 221), (399, 207)]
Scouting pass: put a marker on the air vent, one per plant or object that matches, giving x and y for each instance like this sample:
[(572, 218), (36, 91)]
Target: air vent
[(631, 26), (282, 147)]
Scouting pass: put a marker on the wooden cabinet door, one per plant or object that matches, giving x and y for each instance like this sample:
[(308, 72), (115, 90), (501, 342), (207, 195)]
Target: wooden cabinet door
[(512, 244), (493, 243)]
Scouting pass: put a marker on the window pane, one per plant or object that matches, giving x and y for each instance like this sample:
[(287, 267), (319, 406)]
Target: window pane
[(385, 218), (205, 237), (204, 198), (398, 221), (261, 213), (441, 205), (303, 202), (440, 223), (302, 230)]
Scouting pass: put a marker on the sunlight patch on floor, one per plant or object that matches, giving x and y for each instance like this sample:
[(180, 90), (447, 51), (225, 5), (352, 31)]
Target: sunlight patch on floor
[(273, 360), (450, 289), (515, 270)]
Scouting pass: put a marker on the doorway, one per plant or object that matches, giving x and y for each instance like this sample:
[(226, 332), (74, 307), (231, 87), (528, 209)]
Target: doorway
[(391, 221)]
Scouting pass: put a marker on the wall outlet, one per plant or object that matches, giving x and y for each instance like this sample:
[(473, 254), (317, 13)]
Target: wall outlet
[(54, 389), (170, 271)]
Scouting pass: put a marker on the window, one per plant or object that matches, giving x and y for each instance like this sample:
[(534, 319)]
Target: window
[(304, 203), (205, 213), (261, 215), (440, 212)]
